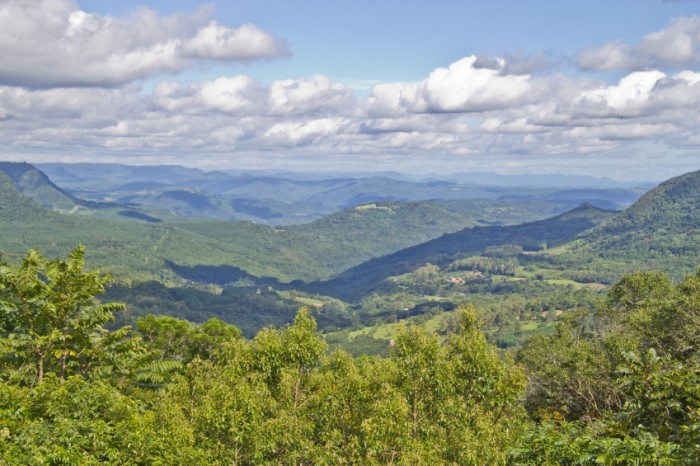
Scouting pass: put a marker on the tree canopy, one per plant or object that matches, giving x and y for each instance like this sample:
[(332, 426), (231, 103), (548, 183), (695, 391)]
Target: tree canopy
[(619, 386)]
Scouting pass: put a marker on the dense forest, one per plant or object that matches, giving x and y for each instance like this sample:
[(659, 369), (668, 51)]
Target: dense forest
[(616, 385)]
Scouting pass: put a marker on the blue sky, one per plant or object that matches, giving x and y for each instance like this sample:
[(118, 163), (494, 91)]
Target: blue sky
[(605, 88), (395, 40)]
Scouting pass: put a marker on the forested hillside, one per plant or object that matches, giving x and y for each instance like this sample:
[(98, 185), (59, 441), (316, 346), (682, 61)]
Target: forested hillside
[(662, 224), (533, 236), (609, 383), (659, 231), (147, 248), (37, 186), (15, 206)]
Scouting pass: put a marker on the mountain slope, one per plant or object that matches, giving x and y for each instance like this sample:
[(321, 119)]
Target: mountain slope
[(36, 185), (15, 206), (98, 175), (554, 231), (314, 251), (660, 230), (671, 207)]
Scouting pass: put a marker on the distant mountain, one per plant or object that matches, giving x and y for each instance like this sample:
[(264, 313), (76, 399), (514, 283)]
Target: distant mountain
[(107, 176), (285, 198), (545, 181), (331, 244), (661, 230), (36, 185), (15, 206), (132, 243), (362, 279), (608, 199)]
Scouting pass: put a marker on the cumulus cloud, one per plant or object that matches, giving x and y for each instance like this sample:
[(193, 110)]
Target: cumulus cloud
[(626, 98), (218, 42), (48, 43), (243, 95), (471, 84), (641, 94), (518, 64), (676, 46), (612, 56), (237, 94), (462, 87), (303, 132), (316, 94)]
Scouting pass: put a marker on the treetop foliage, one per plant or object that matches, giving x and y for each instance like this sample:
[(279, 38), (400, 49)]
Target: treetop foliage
[(620, 386)]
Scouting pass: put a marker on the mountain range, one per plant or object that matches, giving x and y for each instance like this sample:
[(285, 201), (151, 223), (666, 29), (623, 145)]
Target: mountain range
[(283, 198), (349, 254)]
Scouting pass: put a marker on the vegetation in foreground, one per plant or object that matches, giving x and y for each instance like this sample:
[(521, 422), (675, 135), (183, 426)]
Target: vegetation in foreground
[(616, 386)]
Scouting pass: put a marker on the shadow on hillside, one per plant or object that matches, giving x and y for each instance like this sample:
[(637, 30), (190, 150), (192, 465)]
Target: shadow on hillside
[(222, 275)]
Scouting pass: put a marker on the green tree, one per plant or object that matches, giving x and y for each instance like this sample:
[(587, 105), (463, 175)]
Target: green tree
[(50, 319), (646, 310), (77, 421), (169, 338), (631, 387), (570, 372)]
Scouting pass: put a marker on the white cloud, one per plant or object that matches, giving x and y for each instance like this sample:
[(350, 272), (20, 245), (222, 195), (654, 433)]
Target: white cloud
[(218, 42), (518, 125), (690, 77), (236, 94), (609, 57), (628, 97), (244, 95), (303, 132), (47, 43), (651, 95), (464, 86), (297, 96), (395, 99), (677, 45)]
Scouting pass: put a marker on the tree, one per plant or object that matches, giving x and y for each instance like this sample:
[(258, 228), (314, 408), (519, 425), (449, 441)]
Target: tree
[(50, 320), (631, 388)]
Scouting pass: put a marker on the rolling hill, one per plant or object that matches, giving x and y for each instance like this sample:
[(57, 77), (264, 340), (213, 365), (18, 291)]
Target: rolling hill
[(350, 254), (336, 242), (173, 252), (37, 186), (659, 231), (362, 279)]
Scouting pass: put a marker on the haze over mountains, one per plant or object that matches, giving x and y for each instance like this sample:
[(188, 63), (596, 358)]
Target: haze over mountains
[(280, 198)]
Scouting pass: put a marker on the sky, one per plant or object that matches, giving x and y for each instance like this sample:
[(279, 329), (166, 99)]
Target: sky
[(603, 88)]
